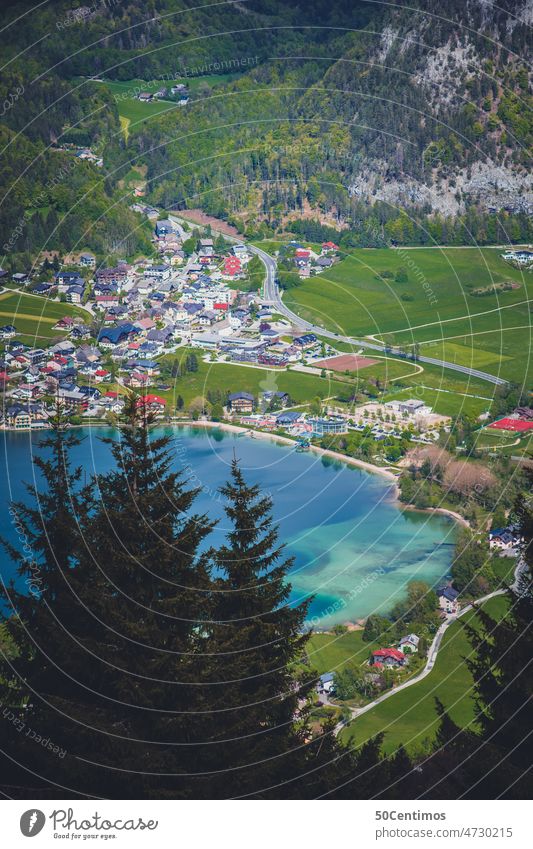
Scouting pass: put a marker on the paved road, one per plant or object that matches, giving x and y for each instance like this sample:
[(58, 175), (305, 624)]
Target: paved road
[(272, 294), (521, 568), (430, 663)]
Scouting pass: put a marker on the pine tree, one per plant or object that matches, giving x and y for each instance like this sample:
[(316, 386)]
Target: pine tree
[(41, 615), (258, 640), (124, 702)]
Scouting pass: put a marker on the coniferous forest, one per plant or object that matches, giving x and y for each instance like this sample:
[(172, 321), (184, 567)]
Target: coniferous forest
[(291, 127)]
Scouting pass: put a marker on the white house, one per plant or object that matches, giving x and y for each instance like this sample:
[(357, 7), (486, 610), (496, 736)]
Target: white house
[(409, 643), (521, 257), (326, 683), (158, 272)]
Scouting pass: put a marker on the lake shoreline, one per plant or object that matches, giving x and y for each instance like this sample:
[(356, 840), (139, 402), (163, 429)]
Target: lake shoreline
[(184, 430), (336, 455), (286, 440), (443, 510)]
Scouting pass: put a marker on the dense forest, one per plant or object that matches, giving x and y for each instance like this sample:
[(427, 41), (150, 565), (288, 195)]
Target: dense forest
[(383, 124)]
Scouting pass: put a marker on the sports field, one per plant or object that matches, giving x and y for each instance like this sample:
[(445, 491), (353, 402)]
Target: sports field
[(347, 362)]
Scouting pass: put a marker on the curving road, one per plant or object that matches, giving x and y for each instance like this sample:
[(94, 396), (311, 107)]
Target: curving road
[(430, 663), (272, 294), (520, 569)]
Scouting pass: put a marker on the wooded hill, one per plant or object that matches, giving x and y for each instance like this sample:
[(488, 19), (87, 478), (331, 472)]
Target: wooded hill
[(342, 114)]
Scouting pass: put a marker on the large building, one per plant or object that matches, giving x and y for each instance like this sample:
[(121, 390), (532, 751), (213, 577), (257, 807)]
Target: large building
[(411, 406), (241, 402), (328, 424)]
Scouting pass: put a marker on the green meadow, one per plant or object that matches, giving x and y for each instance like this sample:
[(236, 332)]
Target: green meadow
[(410, 717), (132, 111), (437, 308), (231, 377), (332, 652), (34, 317)]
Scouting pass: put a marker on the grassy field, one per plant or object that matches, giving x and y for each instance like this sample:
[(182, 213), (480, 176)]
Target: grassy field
[(232, 377), (35, 317), (409, 717), (330, 653), (447, 392), (505, 442), (491, 332), (444, 401)]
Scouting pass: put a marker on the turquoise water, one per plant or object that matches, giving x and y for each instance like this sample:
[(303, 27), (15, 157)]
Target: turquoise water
[(354, 550)]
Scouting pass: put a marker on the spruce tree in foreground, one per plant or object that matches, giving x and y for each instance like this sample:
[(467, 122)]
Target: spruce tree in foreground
[(40, 613), (258, 643), (108, 660), (148, 674)]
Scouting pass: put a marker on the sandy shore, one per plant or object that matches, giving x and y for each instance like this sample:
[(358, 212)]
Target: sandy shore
[(457, 516), (285, 440), (343, 458)]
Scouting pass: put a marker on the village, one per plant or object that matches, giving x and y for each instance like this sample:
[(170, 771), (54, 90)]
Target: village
[(197, 299)]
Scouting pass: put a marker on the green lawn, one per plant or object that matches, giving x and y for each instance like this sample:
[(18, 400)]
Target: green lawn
[(35, 317), (330, 653), (444, 401), (447, 392), (351, 298), (409, 717), (231, 377)]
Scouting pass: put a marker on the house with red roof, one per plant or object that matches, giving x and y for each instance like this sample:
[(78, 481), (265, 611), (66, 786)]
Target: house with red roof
[(388, 657), (65, 323), (329, 247), (152, 403), (232, 266), (101, 374)]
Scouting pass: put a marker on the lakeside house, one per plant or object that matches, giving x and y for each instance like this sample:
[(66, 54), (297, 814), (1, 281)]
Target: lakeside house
[(388, 657), (328, 425), (448, 600), (241, 402), (506, 540), (409, 644)]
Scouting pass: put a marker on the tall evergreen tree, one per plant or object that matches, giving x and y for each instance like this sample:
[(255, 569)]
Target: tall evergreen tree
[(123, 700), (40, 610), (258, 642)]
